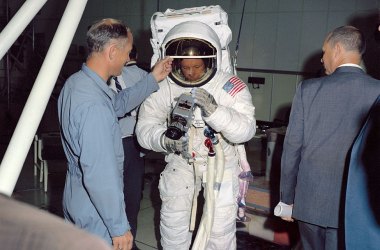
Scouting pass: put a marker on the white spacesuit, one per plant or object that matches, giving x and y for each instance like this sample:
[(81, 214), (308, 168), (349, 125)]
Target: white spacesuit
[(222, 103)]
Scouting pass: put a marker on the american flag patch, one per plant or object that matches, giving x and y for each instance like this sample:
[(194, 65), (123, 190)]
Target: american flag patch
[(234, 85)]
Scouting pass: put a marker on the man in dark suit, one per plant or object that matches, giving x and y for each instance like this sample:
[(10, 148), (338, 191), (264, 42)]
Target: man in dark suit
[(362, 210), (327, 114)]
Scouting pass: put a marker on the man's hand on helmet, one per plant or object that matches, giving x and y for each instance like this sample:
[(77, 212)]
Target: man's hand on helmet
[(162, 68), (204, 100)]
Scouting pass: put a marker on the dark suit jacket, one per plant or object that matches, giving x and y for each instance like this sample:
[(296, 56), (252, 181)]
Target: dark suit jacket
[(362, 214), (326, 116)]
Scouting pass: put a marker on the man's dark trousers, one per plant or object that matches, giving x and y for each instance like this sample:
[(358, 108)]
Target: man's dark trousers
[(133, 180)]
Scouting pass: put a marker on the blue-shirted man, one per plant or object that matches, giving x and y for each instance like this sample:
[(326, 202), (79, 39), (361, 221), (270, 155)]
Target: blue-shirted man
[(88, 109)]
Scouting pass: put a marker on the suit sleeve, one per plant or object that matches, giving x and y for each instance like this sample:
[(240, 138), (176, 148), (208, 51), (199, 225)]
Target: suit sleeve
[(234, 116), (152, 120), (291, 155)]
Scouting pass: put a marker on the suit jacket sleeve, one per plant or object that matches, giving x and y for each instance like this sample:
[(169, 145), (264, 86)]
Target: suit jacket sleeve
[(291, 155)]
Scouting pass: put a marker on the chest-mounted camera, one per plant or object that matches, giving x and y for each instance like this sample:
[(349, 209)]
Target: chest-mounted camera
[(181, 117)]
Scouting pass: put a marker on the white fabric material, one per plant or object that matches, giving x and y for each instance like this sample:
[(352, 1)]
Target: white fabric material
[(234, 119), (214, 16), (350, 64), (176, 191)]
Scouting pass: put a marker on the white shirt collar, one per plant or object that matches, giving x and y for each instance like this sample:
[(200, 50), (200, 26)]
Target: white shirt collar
[(351, 65)]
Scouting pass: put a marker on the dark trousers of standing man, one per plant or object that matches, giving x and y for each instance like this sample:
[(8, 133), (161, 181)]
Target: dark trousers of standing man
[(133, 181), (314, 237)]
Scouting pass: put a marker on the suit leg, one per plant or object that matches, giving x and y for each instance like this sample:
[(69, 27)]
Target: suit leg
[(332, 239), (312, 236)]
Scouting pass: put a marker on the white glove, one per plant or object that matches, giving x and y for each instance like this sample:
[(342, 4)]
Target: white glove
[(179, 146), (204, 100)]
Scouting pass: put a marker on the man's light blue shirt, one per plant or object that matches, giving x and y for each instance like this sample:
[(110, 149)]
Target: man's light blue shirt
[(88, 109)]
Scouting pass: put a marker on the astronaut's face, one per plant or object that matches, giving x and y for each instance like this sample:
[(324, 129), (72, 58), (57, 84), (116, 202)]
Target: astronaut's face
[(193, 69)]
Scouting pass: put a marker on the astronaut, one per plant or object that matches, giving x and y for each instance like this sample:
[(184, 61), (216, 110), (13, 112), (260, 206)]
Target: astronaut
[(222, 103)]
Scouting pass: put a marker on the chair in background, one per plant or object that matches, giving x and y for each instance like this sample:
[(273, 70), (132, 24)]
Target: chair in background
[(47, 146)]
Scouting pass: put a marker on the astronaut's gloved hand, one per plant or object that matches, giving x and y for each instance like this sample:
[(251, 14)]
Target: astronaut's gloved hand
[(180, 146), (204, 100)]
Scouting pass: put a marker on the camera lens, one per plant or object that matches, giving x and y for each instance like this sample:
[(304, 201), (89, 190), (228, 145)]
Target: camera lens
[(173, 133), (176, 128)]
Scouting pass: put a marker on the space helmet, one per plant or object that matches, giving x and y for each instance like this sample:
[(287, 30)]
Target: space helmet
[(192, 40)]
